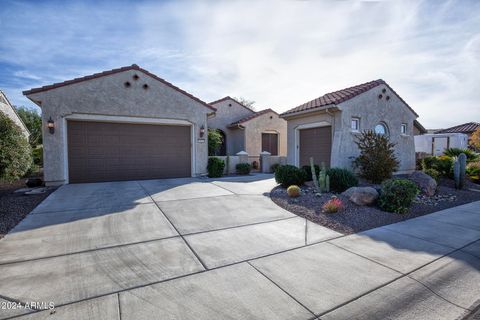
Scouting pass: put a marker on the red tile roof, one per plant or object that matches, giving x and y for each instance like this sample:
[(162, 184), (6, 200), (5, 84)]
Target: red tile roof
[(251, 116), (340, 96), (230, 98), (110, 72), (462, 128)]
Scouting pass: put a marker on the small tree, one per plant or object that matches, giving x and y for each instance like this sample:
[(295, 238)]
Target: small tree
[(475, 139), (215, 141), (33, 121), (247, 103), (377, 160), (15, 151)]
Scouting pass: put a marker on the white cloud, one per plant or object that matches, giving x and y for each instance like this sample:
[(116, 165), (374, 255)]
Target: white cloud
[(278, 53)]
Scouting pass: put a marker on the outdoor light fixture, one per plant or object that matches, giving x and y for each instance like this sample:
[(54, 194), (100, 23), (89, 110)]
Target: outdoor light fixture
[(51, 125), (202, 131)]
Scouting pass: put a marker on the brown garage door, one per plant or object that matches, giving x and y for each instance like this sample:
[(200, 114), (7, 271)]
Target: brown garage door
[(316, 143), (103, 151)]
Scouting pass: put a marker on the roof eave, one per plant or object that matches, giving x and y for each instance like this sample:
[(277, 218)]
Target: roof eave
[(332, 107)]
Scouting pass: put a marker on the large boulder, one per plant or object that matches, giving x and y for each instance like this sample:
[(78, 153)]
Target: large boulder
[(361, 196), (424, 182)]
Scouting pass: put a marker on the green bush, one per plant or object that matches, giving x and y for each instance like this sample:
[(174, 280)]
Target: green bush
[(288, 175), (243, 168), (455, 152), (341, 179), (15, 151), (443, 164), (434, 174), (308, 171), (397, 195), (377, 160), (37, 154), (274, 167), (215, 167)]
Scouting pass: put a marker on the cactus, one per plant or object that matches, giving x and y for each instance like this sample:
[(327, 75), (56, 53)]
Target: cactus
[(459, 169), (324, 179), (314, 176)]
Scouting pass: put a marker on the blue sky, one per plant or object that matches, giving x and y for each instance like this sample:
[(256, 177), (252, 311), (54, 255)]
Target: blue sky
[(277, 53)]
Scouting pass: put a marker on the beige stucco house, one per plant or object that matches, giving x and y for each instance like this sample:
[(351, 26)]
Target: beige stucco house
[(122, 124), (7, 109), (325, 128), (246, 130)]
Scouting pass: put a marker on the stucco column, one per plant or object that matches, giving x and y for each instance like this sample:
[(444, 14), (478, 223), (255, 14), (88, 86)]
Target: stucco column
[(265, 161), (242, 157)]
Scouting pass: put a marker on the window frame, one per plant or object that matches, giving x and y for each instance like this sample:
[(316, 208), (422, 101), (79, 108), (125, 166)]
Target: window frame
[(384, 125), (357, 120), (403, 128)]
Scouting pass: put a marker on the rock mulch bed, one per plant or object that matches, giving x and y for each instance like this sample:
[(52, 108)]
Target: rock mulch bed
[(354, 218), (14, 206)]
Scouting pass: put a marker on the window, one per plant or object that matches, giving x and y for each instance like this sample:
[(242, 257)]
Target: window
[(403, 129), (355, 126), (381, 128)]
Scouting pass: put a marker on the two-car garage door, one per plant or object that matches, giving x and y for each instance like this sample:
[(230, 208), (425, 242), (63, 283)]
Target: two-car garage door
[(104, 151)]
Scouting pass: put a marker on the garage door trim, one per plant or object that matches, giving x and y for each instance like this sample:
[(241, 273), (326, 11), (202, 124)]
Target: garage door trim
[(297, 136), (124, 119)]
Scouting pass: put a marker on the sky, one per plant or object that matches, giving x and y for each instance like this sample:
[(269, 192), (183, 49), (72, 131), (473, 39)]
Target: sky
[(277, 53)]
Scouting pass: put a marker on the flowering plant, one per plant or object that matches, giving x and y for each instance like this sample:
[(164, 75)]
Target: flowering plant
[(333, 205)]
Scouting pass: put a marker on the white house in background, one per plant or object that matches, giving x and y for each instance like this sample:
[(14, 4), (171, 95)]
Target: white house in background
[(7, 109)]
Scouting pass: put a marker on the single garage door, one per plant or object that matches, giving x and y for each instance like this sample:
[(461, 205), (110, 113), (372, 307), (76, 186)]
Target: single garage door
[(104, 151), (316, 143)]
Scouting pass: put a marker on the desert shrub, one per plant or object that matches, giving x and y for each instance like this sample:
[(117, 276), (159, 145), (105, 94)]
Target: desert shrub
[(215, 141), (308, 171), (274, 167), (288, 175), (443, 164), (215, 167), (377, 160), (341, 179), (434, 174), (293, 191), (243, 168), (473, 171), (397, 195), (333, 205), (455, 152), (15, 151)]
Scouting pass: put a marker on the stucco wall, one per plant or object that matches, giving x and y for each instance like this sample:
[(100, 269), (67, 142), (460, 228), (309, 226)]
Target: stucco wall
[(108, 96), (229, 111), (7, 109), (371, 111), (269, 122)]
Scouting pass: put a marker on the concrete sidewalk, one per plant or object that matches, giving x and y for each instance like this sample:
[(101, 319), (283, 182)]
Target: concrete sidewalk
[(192, 249)]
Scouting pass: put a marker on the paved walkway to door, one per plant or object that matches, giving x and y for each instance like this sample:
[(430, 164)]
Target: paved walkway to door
[(205, 249)]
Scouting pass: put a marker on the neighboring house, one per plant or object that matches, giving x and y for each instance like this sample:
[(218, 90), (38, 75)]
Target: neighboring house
[(7, 108), (122, 124), (466, 128), (246, 130), (325, 128)]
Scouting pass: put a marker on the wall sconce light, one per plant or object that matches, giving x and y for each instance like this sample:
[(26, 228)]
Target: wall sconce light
[(51, 125), (202, 131)]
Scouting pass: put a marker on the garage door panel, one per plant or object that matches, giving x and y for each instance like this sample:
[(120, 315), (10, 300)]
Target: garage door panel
[(316, 143), (101, 151)]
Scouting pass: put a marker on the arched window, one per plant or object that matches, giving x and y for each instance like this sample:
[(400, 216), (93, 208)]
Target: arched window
[(381, 128)]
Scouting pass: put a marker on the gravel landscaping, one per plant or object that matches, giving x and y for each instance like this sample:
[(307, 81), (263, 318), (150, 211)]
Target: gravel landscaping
[(354, 218), (15, 206)]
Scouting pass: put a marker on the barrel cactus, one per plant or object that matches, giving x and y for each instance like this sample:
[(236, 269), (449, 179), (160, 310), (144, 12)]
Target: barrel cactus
[(293, 191)]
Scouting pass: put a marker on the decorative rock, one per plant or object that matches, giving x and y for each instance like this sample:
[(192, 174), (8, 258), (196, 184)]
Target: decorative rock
[(424, 182), (361, 196)]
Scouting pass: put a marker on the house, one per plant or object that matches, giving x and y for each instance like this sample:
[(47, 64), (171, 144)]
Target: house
[(466, 128), (7, 109), (325, 128), (122, 124), (418, 129), (243, 129)]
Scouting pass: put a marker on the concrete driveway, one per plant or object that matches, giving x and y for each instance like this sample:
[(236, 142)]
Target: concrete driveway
[(201, 249)]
